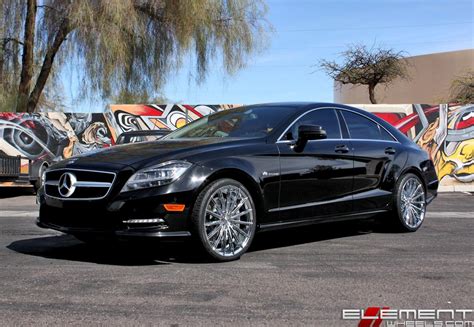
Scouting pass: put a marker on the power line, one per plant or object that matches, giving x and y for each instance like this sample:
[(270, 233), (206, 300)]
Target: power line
[(373, 27)]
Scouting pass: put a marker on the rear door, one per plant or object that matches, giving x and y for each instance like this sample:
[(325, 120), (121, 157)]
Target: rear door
[(374, 152)]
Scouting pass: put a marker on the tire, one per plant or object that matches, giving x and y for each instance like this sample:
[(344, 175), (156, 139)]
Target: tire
[(408, 211), (38, 182), (224, 219)]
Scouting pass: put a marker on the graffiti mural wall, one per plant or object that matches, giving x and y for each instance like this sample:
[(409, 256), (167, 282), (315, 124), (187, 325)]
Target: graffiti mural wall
[(131, 117), (45, 138), (445, 131)]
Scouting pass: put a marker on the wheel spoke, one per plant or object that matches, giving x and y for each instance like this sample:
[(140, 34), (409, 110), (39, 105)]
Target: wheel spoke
[(214, 214), (240, 214), (421, 194), (214, 232), (416, 190), (221, 200), (231, 241), (223, 241), (241, 203), (231, 203), (413, 216), (240, 222), (240, 231), (212, 223), (407, 216), (217, 206), (218, 240)]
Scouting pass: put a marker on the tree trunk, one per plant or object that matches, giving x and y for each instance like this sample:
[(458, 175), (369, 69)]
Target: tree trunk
[(2, 61), (372, 94), (63, 31), (27, 56)]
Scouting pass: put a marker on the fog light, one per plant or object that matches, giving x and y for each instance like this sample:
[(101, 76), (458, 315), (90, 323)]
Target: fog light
[(144, 221)]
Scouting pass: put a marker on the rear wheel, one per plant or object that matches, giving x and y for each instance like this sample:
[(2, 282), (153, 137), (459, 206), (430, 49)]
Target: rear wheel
[(224, 219), (410, 203)]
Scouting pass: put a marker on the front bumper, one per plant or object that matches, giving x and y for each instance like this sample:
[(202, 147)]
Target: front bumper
[(151, 232), (124, 217), (110, 215)]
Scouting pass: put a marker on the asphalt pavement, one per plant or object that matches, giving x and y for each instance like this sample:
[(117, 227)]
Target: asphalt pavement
[(303, 276)]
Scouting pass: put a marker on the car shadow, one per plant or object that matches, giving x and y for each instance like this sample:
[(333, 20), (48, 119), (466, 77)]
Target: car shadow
[(145, 253), (311, 234), (122, 253)]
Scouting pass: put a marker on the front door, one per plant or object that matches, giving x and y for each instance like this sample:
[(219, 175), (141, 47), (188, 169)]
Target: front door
[(316, 181)]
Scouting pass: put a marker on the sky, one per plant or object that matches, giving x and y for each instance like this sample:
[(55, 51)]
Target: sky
[(305, 32)]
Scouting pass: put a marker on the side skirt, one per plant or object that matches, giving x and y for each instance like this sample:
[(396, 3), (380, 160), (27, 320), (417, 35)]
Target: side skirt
[(319, 220)]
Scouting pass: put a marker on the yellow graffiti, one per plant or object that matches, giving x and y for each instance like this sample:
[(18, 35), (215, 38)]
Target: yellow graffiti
[(458, 163)]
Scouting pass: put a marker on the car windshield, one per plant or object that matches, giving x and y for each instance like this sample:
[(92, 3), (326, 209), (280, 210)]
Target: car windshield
[(244, 122)]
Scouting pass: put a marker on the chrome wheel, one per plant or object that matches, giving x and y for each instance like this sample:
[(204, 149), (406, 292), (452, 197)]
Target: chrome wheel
[(413, 203), (229, 220)]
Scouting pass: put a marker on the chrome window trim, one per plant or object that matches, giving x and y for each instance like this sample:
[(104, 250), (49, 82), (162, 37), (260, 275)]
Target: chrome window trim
[(81, 182), (367, 117), (280, 141), (309, 141)]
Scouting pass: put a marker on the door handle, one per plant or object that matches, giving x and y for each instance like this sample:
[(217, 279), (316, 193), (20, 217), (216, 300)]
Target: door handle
[(390, 150), (341, 148)]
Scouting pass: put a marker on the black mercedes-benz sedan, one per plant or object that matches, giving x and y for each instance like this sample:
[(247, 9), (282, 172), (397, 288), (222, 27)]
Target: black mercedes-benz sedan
[(222, 178)]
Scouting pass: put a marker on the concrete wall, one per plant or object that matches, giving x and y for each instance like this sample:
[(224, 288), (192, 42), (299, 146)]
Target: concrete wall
[(447, 133), (431, 77)]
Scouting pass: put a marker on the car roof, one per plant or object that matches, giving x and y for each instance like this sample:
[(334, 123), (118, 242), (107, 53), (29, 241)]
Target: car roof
[(298, 108)]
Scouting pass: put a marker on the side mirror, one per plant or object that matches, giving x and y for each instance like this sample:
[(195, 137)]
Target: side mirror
[(306, 133), (311, 132)]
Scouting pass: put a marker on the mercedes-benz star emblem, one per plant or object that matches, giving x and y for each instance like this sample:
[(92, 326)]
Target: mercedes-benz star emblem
[(67, 184)]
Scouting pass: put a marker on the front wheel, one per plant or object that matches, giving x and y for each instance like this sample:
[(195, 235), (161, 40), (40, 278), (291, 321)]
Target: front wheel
[(224, 219), (410, 203)]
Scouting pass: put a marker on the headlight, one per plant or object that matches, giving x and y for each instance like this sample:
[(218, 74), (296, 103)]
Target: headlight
[(162, 174)]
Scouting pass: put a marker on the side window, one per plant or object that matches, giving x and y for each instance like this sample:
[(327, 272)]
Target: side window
[(363, 128), (326, 118), (385, 135)]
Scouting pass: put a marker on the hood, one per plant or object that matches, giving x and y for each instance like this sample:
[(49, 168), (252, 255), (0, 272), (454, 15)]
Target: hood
[(138, 155)]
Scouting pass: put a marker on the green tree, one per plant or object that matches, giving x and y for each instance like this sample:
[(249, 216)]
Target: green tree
[(117, 45), (462, 89), (370, 67)]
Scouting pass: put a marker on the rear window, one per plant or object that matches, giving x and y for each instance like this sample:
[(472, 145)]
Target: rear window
[(363, 128)]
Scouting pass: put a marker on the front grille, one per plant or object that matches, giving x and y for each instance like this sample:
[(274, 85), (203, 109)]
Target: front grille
[(78, 184)]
